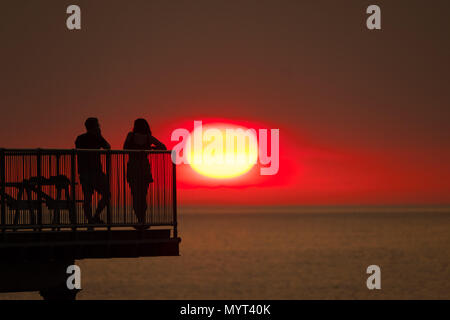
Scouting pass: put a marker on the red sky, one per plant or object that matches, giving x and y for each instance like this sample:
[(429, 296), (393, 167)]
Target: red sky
[(314, 173), (363, 116)]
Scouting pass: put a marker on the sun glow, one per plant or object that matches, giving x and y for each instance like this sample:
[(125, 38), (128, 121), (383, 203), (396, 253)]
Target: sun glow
[(222, 151)]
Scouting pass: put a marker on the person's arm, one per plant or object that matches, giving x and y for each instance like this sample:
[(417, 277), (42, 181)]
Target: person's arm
[(158, 145), (127, 143), (104, 143)]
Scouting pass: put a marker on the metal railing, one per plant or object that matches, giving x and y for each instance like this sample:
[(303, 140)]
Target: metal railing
[(41, 189)]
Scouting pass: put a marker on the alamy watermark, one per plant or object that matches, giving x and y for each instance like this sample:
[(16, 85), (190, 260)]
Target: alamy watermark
[(73, 21), (227, 146), (74, 278), (374, 280)]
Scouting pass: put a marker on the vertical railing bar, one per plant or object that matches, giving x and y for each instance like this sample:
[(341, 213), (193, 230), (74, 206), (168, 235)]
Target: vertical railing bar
[(57, 159), (124, 181), (164, 186), (108, 174), (3, 187), (174, 193), (141, 155), (39, 175), (58, 156), (73, 196)]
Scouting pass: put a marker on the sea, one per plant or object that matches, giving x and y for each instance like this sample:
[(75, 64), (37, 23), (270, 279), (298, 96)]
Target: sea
[(315, 254)]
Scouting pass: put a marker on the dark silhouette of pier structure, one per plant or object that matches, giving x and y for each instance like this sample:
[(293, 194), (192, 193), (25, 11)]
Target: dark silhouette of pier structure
[(44, 228)]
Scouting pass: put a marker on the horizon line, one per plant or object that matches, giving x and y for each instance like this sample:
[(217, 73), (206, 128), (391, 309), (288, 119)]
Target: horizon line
[(295, 209)]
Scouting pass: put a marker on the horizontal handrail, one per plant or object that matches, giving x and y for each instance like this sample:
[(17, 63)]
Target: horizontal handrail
[(80, 225), (68, 151)]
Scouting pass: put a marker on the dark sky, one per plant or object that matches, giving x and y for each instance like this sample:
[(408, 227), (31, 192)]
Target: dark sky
[(310, 68)]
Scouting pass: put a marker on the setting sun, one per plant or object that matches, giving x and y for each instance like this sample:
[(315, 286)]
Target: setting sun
[(222, 151)]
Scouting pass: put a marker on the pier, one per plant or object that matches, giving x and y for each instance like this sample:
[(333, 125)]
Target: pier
[(44, 227)]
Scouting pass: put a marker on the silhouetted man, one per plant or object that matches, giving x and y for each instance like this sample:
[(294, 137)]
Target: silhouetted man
[(92, 177)]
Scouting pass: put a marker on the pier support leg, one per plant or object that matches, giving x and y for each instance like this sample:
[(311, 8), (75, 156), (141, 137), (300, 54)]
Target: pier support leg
[(58, 293), (47, 277)]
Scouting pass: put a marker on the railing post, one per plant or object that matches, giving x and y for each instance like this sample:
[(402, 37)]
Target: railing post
[(3, 186), (58, 171), (124, 182), (72, 180), (39, 174), (108, 174), (174, 194), (142, 156)]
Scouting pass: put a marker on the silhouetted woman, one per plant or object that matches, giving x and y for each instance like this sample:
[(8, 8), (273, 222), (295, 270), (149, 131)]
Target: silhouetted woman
[(139, 175)]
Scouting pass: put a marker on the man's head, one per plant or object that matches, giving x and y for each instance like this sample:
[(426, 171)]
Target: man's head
[(92, 125)]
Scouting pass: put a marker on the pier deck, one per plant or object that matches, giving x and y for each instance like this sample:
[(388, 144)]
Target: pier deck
[(44, 227)]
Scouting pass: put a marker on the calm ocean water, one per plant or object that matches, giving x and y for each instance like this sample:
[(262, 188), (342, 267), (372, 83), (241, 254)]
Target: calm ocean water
[(285, 256)]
